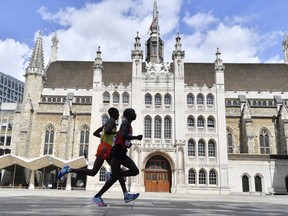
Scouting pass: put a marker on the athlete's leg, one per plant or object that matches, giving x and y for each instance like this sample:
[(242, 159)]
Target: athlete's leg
[(120, 179), (91, 172), (132, 168)]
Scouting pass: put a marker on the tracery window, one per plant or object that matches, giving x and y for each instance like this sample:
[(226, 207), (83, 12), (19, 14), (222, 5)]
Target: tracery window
[(158, 100), (106, 97), (116, 98), (125, 98), (202, 177), (191, 148), (210, 122), (190, 99), (210, 99), (191, 177), (148, 99), (230, 145), (200, 99), (201, 148), (200, 122), (157, 127), (212, 177), (167, 127), (264, 142), (147, 127), (190, 122), (49, 140), (211, 149), (167, 99), (84, 141)]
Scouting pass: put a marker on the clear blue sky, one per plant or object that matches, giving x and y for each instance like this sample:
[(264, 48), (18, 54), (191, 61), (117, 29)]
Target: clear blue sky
[(244, 30)]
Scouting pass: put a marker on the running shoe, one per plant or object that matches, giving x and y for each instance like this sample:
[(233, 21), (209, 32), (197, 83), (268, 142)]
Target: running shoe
[(129, 197), (98, 201), (66, 169)]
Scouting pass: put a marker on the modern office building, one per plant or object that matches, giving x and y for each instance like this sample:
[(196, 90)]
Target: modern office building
[(212, 128)]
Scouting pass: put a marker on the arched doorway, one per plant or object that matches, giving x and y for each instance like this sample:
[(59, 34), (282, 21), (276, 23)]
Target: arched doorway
[(157, 175)]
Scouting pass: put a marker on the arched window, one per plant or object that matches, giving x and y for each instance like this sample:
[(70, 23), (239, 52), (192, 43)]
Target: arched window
[(116, 98), (84, 141), (201, 148), (190, 122), (191, 176), (245, 183), (49, 140), (190, 99), (264, 142), (258, 183), (202, 177), (157, 127), (106, 97), (191, 148), (147, 127), (212, 177), (229, 141), (200, 122), (167, 127), (148, 99), (211, 149), (158, 100), (210, 99), (125, 98), (210, 122), (167, 99), (200, 99), (105, 118), (102, 173)]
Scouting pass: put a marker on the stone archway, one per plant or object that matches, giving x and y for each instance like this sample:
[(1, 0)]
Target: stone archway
[(157, 175)]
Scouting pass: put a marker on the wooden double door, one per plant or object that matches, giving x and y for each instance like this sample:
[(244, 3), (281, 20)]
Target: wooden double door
[(157, 175)]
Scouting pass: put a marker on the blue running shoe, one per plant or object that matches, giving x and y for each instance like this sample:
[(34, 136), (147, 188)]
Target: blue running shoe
[(66, 169), (98, 201), (129, 197)]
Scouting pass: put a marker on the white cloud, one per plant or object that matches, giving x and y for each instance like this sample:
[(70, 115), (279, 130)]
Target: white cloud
[(14, 58), (200, 21)]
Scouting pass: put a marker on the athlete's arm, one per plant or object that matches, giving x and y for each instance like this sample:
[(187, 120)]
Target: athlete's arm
[(110, 126), (125, 132), (98, 131)]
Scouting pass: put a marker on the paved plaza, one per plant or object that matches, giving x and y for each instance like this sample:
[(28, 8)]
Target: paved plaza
[(56, 202)]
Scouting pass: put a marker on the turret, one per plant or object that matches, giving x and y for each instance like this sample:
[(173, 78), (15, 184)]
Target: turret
[(98, 68), (219, 71), (137, 56), (178, 57)]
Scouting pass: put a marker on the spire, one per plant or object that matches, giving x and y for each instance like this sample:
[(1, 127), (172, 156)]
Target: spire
[(155, 25), (54, 48), (36, 64), (137, 52), (98, 63), (178, 53), (285, 48), (218, 62)]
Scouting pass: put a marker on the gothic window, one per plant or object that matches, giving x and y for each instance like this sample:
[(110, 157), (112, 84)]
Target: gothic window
[(210, 99), (258, 183), (148, 99), (200, 122), (167, 127), (125, 98), (106, 97), (102, 173), (201, 148), (264, 142), (157, 127), (190, 99), (202, 177), (229, 141), (245, 183), (191, 176), (49, 140), (158, 100), (105, 118), (211, 149), (210, 122), (147, 127), (190, 122), (116, 98), (200, 99), (212, 177), (84, 141), (167, 99), (191, 148)]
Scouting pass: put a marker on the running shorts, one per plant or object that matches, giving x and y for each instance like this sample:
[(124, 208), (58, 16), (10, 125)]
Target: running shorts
[(104, 150)]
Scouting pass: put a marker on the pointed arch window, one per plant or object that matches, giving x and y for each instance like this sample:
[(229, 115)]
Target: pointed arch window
[(190, 122), (158, 100), (148, 99), (102, 173), (106, 98), (167, 127), (230, 147), (200, 122), (202, 177), (157, 127), (258, 183), (211, 149), (212, 177), (264, 142), (105, 118), (201, 148), (167, 99), (191, 176), (200, 99), (116, 98), (210, 100), (147, 127), (245, 183), (49, 140), (125, 98), (210, 122), (191, 148), (84, 141), (190, 99)]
